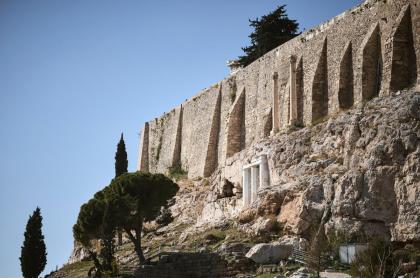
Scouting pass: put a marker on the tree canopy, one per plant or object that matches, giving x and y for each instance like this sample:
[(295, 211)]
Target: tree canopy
[(33, 254), (125, 204), (96, 222), (269, 32), (139, 197)]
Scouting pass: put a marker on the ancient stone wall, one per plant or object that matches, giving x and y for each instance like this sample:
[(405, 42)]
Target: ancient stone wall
[(186, 265), (362, 53)]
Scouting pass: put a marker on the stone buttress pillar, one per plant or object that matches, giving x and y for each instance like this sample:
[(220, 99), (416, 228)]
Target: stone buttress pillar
[(293, 115), (276, 107), (143, 160)]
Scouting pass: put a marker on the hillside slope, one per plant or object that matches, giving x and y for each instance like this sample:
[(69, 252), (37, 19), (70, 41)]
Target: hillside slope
[(356, 173)]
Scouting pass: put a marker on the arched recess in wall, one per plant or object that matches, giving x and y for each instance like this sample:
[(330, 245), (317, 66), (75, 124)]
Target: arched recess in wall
[(345, 81), (211, 161), (268, 123), (371, 64), (236, 126), (176, 157), (404, 67), (299, 90), (320, 86)]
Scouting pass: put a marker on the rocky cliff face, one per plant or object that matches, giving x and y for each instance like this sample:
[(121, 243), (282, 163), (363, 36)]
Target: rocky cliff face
[(357, 173)]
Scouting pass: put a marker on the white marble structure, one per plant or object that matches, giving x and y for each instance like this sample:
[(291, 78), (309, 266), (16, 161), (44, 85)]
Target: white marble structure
[(255, 176)]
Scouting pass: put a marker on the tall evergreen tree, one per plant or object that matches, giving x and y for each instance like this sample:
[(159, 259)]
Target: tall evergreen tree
[(33, 254), (121, 165), (121, 162), (269, 32)]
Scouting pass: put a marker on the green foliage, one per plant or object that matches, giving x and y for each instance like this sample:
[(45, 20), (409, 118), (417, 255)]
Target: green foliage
[(139, 197), (125, 204), (214, 236), (267, 275), (74, 270), (379, 260), (177, 173), (269, 32), (121, 162), (96, 220), (165, 217), (33, 253), (89, 222)]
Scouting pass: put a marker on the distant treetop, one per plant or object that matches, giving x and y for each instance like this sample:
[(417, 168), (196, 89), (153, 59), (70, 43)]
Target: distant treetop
[(121, 162), (269, 32)]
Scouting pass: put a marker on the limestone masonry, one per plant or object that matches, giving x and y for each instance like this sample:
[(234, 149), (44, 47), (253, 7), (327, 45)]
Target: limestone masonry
[(371, 50)]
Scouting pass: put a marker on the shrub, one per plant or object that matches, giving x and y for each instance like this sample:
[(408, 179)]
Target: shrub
[(177, 173), (378, 260)]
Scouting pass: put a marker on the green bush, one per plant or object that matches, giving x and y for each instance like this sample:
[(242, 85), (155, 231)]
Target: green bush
[(379, 260), (177, 173), (214, 236)]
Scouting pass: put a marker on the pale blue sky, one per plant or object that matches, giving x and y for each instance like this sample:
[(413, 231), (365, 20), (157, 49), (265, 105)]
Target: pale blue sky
[(75, 74)]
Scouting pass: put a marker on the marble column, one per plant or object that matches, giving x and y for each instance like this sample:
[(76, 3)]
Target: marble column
[(246, 188), (293, 114), (255, 180)]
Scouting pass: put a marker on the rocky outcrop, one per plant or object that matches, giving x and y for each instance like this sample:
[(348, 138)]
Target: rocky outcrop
[(269, 253), (78, 254), (357, 173), (362, 167)]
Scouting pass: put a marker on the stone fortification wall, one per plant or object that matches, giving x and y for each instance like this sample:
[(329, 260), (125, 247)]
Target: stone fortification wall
[(365, 52), (187, 265)]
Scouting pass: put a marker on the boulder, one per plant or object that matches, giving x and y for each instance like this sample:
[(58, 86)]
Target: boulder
[(294, 241), (247, 216), (269, 253), (302, 272), (265, 225), (236, 247)]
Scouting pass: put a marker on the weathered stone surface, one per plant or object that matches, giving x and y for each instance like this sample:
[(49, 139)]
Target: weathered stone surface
[(361, 166), (294, 241), (356, 170), (264, 226), (78, 254), (370, 50), (268, 253)]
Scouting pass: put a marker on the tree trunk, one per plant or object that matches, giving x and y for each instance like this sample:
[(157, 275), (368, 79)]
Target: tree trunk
[(137, 242), (97, 264), (119, 237)]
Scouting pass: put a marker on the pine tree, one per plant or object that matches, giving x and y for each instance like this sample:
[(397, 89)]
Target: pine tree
[(269, 32), (121, 162), (33, 255)]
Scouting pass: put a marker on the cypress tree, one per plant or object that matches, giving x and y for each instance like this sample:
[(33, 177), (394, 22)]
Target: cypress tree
[(33, 254), (121, 165), (121, 162)]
